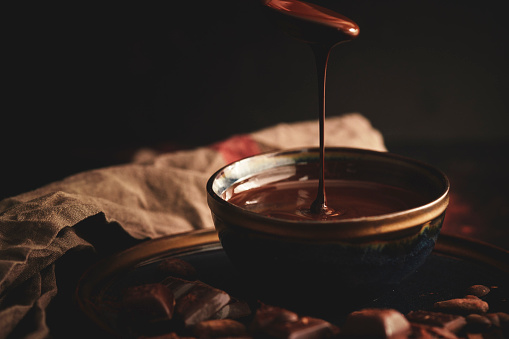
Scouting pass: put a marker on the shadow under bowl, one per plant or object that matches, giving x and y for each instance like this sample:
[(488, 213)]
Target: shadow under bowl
[(328, 258)]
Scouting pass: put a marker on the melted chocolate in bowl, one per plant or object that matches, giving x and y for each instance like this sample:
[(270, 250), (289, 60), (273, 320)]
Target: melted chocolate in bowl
[(349, 199)]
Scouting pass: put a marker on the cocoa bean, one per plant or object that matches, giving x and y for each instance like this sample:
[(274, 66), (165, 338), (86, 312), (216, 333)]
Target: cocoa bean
[(478, 290), (452, 322), (462, 306)]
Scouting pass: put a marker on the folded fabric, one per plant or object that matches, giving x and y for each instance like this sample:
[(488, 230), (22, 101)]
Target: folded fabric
[(154, 196)]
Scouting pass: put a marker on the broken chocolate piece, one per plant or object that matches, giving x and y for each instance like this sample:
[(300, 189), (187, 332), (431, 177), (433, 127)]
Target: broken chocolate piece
[(266, 315), (421, 331), (200, 303), (452, 322), (235, 309), (478, 290), (178, 286), (219, 328), (305, 327), (177, 268), (417, 332), (462, 306), (149, 303), (381, 323)]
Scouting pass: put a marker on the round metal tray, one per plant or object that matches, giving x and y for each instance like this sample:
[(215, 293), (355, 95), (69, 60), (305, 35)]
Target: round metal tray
[(455, 264)]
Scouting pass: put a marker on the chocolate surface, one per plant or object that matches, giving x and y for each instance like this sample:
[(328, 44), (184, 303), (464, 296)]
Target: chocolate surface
[(348, 199), (149, 303), (377, 323), (200, 304), (311, 23), (312, 12)]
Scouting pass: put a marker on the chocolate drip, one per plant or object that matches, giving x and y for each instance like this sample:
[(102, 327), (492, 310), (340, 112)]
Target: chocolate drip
[(322, 29)]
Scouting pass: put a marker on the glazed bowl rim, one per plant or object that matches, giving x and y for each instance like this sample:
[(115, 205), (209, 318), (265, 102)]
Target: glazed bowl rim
[(397, 224)]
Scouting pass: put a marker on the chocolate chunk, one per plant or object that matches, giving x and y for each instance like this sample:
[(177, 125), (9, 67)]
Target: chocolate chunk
[(177, 268), (452, 322), (266, 315), (149, 303), (200, 303), (178, 286), (219, 328), (478, 290), (462, 306), (305, 327), (380, 323), (421, 331), (478, 323), (235, 309)]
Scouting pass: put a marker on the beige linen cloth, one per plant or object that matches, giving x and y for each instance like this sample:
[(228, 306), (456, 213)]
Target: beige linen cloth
[(154, 196)]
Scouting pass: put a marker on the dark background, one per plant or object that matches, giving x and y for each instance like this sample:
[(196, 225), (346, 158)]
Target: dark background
[(85, 85)]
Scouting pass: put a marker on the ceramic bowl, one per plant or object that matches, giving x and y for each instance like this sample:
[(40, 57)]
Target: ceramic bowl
[(361, 253)]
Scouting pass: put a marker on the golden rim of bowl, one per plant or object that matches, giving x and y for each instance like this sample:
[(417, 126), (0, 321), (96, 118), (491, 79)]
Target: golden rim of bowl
[(394, 225)]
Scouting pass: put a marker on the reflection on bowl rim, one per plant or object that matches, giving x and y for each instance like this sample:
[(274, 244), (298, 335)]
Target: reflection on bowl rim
[(392, 225)]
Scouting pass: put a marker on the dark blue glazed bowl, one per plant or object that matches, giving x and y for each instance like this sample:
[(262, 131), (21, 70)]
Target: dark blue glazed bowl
[(362, 254)]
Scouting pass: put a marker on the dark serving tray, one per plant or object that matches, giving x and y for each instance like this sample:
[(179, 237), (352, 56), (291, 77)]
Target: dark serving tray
[(455, 264)]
